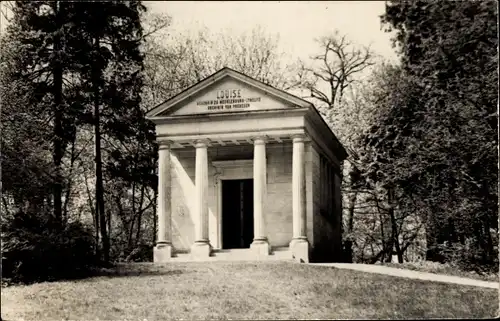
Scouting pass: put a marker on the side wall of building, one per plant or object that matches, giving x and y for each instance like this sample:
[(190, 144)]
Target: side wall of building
[(338, 228), (327, 218)]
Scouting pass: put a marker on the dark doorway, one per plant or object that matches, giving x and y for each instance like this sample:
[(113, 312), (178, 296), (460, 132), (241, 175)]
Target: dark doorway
[(237, 213)]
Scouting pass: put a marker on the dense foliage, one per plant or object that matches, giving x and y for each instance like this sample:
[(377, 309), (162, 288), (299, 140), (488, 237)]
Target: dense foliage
[(435, 137), (420, 181), (36, 249), (73, 80)]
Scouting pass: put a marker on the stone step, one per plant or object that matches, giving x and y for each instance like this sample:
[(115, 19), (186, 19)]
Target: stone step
[(236, 255)]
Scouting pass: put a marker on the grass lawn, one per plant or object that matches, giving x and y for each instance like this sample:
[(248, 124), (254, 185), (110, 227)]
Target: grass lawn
[(243, 290), (434, 267)]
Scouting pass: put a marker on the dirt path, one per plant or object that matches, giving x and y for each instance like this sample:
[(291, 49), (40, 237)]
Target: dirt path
[(370, 268)]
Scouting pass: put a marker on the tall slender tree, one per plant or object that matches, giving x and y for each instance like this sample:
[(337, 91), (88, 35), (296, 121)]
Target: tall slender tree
[(111, 67)]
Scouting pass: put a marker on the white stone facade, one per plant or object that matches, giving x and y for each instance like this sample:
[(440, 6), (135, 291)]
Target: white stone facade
[(270, 137)]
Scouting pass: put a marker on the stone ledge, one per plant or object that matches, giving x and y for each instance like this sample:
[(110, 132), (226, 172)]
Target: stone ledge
[(162, 253), (200, 250), (260, 248), (300, 250)]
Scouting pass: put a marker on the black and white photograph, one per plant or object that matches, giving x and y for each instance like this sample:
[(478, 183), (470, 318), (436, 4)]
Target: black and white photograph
[(249, 160)]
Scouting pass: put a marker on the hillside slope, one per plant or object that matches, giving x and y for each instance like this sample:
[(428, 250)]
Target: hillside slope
[(243, 290)]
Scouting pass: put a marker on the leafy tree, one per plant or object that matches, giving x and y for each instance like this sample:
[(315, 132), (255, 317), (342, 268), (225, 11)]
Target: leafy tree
[(98, 48), (380, 169), (437, 139), (39, 117), (26, 161), (42, 35)]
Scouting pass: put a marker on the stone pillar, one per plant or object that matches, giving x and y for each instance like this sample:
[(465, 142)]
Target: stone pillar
[(163, 249), (260, 245), (299, 245), (201, 247)]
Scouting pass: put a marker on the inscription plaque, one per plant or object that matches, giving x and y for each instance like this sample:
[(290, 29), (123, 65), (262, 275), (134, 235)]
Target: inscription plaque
[(229, 99)]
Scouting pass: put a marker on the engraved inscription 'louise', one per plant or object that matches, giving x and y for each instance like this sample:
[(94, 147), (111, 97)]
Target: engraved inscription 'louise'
[(229, 93)]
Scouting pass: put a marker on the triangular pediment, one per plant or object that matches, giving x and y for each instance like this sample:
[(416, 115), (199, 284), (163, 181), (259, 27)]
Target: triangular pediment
[(226, 91)]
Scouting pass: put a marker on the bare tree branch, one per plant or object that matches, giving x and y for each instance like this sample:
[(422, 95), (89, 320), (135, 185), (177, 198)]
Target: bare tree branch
[(338, 64)]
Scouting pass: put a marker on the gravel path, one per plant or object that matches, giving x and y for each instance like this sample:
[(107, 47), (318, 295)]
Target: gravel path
[(370, 268)]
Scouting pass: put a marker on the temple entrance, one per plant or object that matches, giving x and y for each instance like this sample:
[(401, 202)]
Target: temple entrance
[(237, 213)]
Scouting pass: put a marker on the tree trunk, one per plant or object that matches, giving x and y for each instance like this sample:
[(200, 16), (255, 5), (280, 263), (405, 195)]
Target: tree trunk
[(431, 238), (99, 191), (488, 241), (94, 215), (69, 184), (352, 205), (394, 225), (139, 218), (108, 219), (58, 129), (383, 238), (388, 251), (130, 231), (389, 242), (354, 177), (138, 234), (350, 227), (399, 251)]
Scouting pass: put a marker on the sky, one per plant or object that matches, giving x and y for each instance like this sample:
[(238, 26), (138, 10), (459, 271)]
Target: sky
[(297, 23)]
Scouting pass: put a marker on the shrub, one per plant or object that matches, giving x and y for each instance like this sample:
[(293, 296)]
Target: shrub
[(36, 249), (471, 256), (141, 253)]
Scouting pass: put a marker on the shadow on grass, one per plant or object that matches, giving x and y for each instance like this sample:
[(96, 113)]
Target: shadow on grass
[(112, 271), (131, 269)]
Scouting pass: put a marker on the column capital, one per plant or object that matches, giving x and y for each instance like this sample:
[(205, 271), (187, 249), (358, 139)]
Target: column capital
[(298, 138), (164, 144), (201, 143), (260, 140)]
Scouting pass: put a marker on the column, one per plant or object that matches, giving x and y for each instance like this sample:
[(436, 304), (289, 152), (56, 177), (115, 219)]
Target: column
[(163, 249), (299, 244), (260, 245), (201, 247)]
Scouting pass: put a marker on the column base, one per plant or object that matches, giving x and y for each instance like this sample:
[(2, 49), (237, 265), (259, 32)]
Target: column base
[(260, 247), (162, 253), (201, 250), (300, 250)]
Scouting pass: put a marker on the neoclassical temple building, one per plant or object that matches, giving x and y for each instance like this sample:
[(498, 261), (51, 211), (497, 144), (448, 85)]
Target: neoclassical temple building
[(246, 167)]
